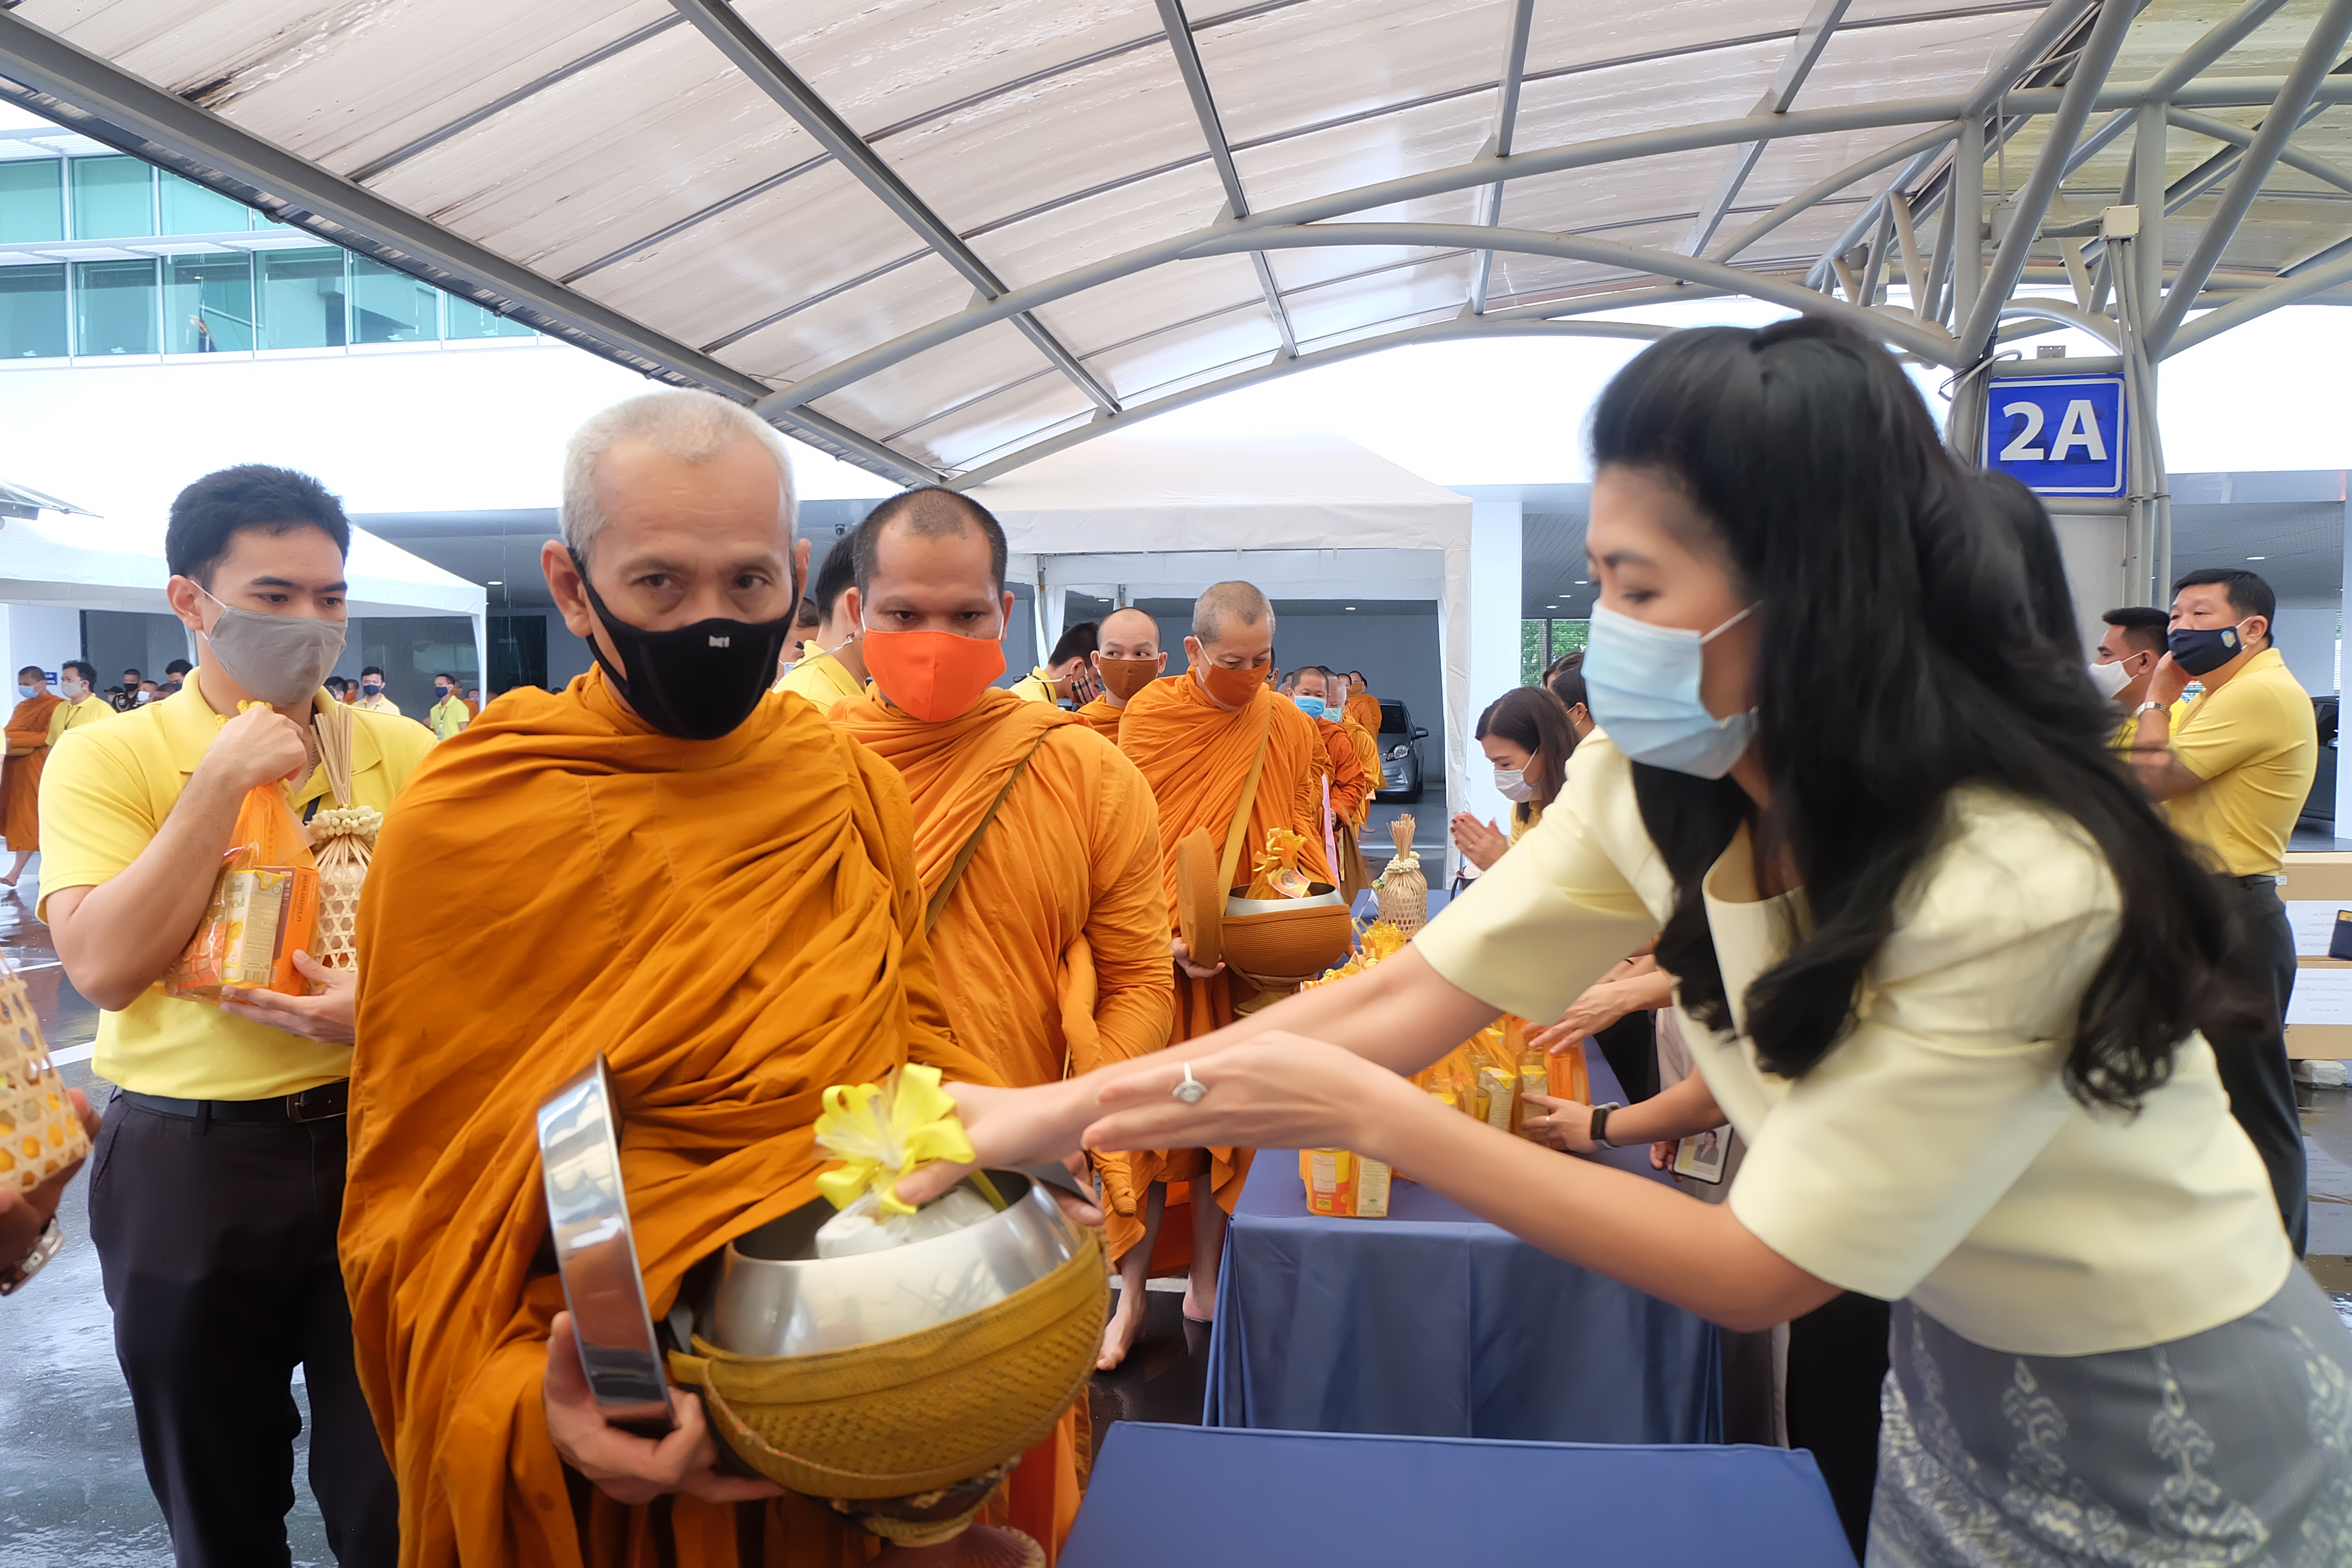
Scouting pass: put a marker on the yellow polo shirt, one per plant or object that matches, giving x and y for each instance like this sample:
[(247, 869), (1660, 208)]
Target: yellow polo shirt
[(74, 715), (822, 679), (1034, 688), (105, 793), (2255, 744)]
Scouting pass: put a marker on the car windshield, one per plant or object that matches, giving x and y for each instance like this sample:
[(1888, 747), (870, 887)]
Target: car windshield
[(1393, 721)]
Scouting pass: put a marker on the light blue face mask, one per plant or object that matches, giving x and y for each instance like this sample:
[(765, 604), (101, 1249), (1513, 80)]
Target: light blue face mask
[(1642, 682), (1311, 706), (25, 691)]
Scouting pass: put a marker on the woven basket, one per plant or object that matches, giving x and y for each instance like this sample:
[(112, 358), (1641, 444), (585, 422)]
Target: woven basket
[(919, 1413), (39, 1133), (1404, 894)]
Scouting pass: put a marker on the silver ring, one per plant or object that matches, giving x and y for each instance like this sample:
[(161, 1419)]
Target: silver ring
[(1191, 1090)]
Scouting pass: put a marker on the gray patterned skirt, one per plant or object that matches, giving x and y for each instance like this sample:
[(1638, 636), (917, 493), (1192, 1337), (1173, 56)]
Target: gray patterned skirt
[(2231, 1447)]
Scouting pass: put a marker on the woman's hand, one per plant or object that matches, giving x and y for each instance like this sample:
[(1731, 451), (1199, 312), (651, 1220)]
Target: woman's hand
[(1481, 843), (1630, 987), (1009, 1127), (1273, 1091), (1566, 1124)]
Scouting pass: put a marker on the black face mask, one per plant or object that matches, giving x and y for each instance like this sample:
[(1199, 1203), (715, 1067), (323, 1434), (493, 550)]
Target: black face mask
[(696, 682)]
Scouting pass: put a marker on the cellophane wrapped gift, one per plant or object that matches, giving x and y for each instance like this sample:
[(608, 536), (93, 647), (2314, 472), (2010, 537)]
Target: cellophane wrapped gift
[(39, 1133), (343, 838), (883, 1132), (1277, 874), (265, 906), (1402, 888)]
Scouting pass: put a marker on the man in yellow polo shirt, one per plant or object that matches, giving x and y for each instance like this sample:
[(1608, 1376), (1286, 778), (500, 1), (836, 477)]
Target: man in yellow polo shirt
[(2125, 663), (2232, 771), (78, 684), (834, 666), (216, 1181)]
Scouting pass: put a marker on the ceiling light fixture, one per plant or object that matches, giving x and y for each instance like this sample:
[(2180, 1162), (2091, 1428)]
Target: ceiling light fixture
[(1352, 607), (495, 583), (2258, 558)]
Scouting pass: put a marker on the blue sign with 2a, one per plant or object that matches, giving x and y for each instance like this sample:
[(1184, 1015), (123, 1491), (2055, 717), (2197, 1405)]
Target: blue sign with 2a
[(2061, 434)]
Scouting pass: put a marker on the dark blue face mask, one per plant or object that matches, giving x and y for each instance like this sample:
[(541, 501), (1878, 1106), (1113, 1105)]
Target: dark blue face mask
[(2201, 650)]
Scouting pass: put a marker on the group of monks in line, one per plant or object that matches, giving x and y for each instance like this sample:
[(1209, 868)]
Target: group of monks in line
[(34, 724), (890, 859)]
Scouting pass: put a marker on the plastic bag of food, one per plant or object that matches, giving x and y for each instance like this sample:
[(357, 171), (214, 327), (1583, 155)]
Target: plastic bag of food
[(264, 907), (882, 1131)]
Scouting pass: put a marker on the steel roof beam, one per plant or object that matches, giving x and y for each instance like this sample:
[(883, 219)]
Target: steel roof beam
[(2218, 41), (2307, 281), (2320, 52), (2222, 131), (62, 81), (749, 53), (1506, 122), (2048, 31), (2074, 111), (1926, 142), (1813, 36), (1212, 129)]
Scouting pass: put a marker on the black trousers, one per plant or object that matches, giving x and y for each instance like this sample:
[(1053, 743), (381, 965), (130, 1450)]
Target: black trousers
[(216, 1242), (2252, 1059), (1630, 1047), (1837, 1364)]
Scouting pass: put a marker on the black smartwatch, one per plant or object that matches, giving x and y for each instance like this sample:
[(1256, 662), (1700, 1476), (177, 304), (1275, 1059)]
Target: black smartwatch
[(1600, 1129)]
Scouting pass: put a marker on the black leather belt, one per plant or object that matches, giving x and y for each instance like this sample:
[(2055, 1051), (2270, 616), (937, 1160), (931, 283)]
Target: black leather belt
[(323, 1103)]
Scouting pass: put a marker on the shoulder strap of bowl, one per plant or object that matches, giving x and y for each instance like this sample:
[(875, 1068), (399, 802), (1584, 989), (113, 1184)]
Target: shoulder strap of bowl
[(1231, 864), (946, 889)]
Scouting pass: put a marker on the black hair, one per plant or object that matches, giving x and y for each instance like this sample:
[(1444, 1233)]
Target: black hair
[(807, 619), (1901, 657), (377, 671), (1565, 679), (1532, 718), (132, 669), (836, 575), (2247, 593), (178, 666), (2047, 595), (928, 510), (445, 675), (33, 669), (2143, 626), (208, 515), (87, 670), (1076, 641)]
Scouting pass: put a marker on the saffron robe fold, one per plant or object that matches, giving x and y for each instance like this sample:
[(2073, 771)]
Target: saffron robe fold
[(1103, 716), (20, 775), (734, 925), (1365, 710), (1347, 797), (1196, 757)]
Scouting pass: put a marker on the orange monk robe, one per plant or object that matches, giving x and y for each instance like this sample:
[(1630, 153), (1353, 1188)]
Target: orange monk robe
[(1368, 756), (1196, 756), (1349, 790), (1103, 718), (1053, 947), (20, 775), (734, 924), (1365, 710)]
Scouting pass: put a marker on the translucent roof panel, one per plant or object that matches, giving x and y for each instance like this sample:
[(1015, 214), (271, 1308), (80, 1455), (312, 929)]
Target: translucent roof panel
[(932, 236)]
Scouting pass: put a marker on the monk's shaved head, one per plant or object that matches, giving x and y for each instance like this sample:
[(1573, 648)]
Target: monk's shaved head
[(1229, 605), (1130, 628), (930, 512)]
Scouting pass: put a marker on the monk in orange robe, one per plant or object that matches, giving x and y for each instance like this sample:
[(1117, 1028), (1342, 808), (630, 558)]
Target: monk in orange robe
[(20, 776), (1362, 706), (1128, 658), (664, 864), (1195, 736), (1036, 841), (1347, 790)]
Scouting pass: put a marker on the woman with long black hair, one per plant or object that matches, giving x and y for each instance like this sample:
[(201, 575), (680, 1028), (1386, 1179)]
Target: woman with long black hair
[(1940, 964)]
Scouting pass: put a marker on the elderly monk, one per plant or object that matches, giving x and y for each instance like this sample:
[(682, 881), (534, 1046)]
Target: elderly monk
[(1196, 736), (834, 666), (20, 775), (1347, 788), (1037, 841), (1129, 659), (708, 886)]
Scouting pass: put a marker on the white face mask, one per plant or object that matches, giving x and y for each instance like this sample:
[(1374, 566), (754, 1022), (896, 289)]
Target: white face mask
[(75, 691), (1512, 784), (2111, 677)]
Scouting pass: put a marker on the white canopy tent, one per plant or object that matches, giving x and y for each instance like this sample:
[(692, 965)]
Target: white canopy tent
[(89, 563), (1136, 516)]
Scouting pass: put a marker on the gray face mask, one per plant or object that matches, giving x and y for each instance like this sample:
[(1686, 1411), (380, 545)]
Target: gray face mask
[(278, 659)]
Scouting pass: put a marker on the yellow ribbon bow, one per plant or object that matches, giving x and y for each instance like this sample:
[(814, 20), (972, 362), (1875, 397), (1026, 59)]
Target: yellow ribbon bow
[(886, 1130)]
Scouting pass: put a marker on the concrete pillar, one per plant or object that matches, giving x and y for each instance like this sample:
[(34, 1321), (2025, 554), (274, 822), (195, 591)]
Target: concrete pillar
[(2093, 547), (43, 635), (1495, 613)]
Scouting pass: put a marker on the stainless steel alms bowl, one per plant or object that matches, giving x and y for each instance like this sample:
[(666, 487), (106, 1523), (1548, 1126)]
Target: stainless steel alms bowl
[(776, 1297)]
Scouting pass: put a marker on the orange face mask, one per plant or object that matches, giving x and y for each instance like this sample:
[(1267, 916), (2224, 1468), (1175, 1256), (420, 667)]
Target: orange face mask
[(1123, 678), (1233, 687), (935, 676)]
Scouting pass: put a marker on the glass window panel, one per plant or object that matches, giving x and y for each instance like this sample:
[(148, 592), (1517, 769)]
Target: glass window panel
[(114, 307), (302, 298), (208, 303), (32, 199), (33, 312), (390, 307), (190, 208), (468, 320), (113, 198)]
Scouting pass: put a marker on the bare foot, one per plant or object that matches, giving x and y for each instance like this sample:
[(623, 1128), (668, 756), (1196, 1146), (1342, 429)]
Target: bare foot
[(1126, 1326), (982, 1546), (1199, 1308)]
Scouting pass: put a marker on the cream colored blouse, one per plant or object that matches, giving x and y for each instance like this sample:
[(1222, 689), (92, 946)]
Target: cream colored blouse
[(1934, 1154)]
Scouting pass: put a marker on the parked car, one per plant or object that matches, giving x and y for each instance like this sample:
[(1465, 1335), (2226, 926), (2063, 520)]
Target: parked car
[(1400, 754), (2319, 805)]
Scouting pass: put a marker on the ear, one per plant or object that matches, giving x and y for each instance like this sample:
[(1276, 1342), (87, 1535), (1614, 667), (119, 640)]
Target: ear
[(1163, 664), (1004, 616), (187, 601), (853, 610), (2265, 623), (1192, 649), (801, 549), (563, 583)]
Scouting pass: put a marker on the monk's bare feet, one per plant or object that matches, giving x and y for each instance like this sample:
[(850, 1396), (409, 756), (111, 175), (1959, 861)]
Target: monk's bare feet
[(1126, 1326), (982, 1546)]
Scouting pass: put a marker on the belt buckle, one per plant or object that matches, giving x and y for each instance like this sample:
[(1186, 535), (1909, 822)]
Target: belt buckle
[(297, 1110)]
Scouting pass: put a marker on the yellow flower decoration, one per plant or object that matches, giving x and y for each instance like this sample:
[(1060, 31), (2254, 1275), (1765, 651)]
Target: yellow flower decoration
[(886, 1130)]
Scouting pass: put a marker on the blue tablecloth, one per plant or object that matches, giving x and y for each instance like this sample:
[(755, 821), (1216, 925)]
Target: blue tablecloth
[(1433, 1323), (1190, 1497)]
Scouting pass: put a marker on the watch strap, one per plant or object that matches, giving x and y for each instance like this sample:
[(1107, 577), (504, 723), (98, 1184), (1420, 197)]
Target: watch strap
[(45, 1247), (1601, 1123)]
